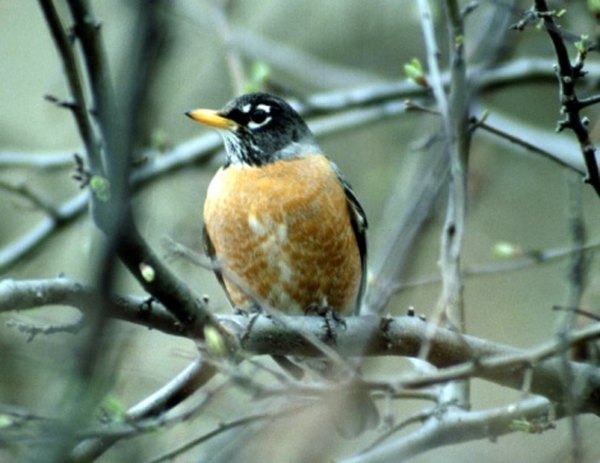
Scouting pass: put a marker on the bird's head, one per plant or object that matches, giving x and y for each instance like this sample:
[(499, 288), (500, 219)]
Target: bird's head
[(259, 128)]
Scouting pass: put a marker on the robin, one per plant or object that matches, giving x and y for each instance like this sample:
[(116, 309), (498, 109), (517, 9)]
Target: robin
[(279, 215), (284, 225)]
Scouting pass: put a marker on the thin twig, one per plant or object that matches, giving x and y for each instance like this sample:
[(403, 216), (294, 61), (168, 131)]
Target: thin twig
[(32, 330), (433, 56), (228, 426), (222, 428), (578, 311), (35, 198), (515, 139), (528, 260)]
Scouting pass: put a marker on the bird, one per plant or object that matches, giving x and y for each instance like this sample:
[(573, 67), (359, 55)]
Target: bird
[(281, 223), (279, 216)]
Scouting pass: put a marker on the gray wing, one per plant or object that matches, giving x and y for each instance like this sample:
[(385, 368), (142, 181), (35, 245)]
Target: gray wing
[(358, 219)]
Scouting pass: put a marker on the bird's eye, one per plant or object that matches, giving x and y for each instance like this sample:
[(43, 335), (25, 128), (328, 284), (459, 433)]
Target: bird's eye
[(258, 116)]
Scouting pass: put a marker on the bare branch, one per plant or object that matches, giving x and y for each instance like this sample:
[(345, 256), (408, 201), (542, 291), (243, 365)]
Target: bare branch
[(33, 197), (87, 30), (166, 398), (32, 331), (33, 294), (516, 139), (458, 136), (79, 109), (568, 76), (454, 111), (45, 160), (38, 235), (457, 426), (401, 336), (224, 427), (528, 260)]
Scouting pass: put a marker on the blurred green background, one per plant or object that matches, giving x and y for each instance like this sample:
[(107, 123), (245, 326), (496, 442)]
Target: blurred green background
[(515, 196)]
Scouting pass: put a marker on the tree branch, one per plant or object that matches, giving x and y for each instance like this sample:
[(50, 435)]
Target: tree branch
[(528, 259), (456, 427), (79, 109), (458, 138), (454, 111), (87, 30), (368, 335), (568, 76)]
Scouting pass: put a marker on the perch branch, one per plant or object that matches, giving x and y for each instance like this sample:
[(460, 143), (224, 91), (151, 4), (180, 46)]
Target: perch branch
[(399, 336)]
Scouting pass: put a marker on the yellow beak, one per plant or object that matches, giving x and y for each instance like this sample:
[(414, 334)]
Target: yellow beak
[(211, 118)]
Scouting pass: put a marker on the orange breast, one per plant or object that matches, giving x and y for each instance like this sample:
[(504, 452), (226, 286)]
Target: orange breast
[(284, 230)]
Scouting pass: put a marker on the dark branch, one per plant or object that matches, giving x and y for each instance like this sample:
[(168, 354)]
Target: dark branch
[(568, 75), (79, 107)]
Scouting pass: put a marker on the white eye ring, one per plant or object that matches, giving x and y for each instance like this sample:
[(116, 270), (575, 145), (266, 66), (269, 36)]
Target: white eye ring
[(259, 117), (254, 125)]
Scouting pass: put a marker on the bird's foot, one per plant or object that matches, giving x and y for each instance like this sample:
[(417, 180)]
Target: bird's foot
[(333, 320)]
